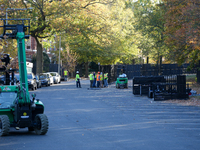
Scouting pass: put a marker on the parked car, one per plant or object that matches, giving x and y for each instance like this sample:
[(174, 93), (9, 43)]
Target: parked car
[(44, 79), (50, 77), (38, 81), (3, 80), (56, 77), (14, 80), (32, 81)]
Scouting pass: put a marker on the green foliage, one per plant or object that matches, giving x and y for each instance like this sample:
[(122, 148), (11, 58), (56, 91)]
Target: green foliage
[(110, 32), (118, 31), (93, 67), (96, 30), (103, 34), (149, 23)]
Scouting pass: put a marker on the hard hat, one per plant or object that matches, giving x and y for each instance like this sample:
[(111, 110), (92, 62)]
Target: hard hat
[(77, 71)]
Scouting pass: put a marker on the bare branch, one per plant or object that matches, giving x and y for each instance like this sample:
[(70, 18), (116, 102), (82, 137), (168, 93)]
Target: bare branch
[(92, 3)]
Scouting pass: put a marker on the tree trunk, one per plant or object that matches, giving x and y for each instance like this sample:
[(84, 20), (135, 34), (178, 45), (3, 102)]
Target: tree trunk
[(86, 70), (39, 57)]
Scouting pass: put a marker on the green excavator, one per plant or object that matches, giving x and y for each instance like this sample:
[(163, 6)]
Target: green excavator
[(17, 109)]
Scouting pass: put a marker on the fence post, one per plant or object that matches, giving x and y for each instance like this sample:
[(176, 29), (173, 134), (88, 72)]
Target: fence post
[(198, 73), (198, 76)]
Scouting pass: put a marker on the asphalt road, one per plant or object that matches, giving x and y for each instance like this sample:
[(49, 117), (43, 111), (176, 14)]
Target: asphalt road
[(108, 119)]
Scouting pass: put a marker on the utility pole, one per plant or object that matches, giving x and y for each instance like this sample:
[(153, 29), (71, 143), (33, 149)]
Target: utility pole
[(59, 56)]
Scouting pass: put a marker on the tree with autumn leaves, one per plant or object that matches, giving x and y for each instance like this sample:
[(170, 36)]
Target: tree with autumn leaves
[(168, 28), (94, 29), (111, 31), (104, 34), (183, 30)]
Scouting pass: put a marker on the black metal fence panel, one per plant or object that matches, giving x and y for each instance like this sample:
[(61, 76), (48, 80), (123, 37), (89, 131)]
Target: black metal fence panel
[(132, 70), (174, 88), (146, 70), (150, 70), (142, 84)]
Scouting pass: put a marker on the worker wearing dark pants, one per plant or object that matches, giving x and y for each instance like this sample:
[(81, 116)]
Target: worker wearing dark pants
[(94, 81), (65, 74), (98, 79), (91, 79), (78, 84), (106, 80)]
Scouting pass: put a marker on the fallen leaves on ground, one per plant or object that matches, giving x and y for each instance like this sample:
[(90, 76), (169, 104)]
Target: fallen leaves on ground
[(192, 101)]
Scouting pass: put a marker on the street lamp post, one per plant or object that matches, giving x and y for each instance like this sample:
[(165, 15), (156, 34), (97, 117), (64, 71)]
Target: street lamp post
[(99, 65), (59, 56)]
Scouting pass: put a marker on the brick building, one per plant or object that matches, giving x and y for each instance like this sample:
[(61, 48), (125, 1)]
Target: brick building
[(31, 48)]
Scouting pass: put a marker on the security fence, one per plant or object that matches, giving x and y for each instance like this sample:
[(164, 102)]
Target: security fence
[(132, 70), (161, 87), (145, 70)]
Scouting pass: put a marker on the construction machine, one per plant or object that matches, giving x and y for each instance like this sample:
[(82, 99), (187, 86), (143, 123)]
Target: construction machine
[(122, 81), (17, 109)]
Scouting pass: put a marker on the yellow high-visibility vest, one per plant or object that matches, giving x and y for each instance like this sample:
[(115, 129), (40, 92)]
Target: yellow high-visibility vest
[(106, 76), (77, 77), (101, 77), (91, 76)]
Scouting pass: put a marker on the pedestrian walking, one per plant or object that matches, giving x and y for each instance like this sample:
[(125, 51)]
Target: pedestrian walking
[(106, 80), (94, 81), (78, 83), (91, 79), (98, 79)]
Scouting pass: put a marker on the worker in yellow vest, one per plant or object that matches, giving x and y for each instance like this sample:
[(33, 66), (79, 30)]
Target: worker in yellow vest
[(78, 83), (91, 79), (94, 81), (65, 74), (101, 80)]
